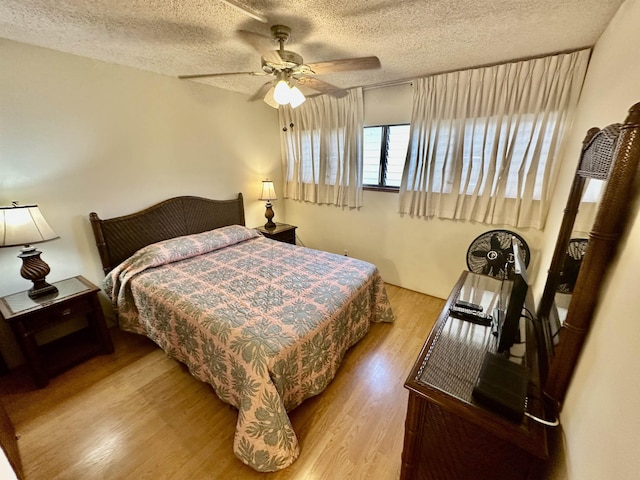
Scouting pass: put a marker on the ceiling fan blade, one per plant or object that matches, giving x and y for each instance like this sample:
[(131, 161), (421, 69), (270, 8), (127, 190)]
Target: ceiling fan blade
[(263, 45), (203, 75), (244, 9), (345, 65), (320, 86), (262, 91)]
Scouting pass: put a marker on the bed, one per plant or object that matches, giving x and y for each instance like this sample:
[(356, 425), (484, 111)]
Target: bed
[(265, 323)]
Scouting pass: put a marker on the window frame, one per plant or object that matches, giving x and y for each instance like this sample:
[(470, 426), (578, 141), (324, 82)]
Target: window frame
[(383, 159)]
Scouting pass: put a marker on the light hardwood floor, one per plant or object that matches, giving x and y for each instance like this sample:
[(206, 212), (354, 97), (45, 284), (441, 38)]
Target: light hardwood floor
[(136, 414)]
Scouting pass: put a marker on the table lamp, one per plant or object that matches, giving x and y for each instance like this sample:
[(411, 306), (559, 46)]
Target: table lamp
[(25, 225), (268, 194)]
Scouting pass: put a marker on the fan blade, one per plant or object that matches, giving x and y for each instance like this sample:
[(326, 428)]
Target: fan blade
[(244, 9), (345, 65), (495, 242), (320, 86), (263, 45), (262, 91), (202, 75)]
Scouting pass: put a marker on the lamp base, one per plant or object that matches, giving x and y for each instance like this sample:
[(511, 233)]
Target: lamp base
[(41, 288), (35, 269), (269, 216)]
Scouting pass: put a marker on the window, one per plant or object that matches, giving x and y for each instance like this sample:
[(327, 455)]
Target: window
[(514, 147), (384, 152)]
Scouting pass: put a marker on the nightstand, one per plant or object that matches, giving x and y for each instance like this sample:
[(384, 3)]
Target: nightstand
[(32, 320), (282, 233)]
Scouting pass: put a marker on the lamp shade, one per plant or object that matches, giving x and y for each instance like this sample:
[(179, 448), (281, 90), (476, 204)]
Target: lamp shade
[(296, 97), (269, 99), (282, 93), (23, 225), (268, 191)]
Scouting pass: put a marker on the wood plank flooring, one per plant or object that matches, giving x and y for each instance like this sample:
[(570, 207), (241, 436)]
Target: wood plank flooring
[(136, 414)]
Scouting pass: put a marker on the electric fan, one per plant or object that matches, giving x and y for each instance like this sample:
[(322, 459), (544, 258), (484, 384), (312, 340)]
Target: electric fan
[(571, 265), (492, 253)]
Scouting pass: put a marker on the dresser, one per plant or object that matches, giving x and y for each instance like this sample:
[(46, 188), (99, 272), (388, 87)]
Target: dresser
[(447, 434)]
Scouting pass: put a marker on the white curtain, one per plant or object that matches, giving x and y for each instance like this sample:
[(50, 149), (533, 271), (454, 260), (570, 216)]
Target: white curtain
[(485, 143), (322, 149)]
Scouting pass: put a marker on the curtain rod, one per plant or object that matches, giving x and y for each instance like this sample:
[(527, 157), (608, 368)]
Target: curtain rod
[(393, 83)]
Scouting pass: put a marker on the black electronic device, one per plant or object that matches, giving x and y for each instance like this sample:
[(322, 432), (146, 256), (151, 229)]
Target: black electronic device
[(469, 305), (470, 315), (508, 325), (502, 386)]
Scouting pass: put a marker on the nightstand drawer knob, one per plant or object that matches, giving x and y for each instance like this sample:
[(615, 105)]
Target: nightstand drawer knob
[(66, 311)]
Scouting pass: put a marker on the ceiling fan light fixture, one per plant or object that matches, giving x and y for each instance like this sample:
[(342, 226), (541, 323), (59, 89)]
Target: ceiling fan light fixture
[(282, 92), (269, 99), (288, 67), (296, 98)]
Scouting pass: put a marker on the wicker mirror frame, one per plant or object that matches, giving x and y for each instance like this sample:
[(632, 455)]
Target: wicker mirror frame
[(558, 363)]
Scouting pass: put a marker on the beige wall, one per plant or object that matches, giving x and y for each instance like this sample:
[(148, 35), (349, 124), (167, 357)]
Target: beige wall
[(77, 136), (600, 417)]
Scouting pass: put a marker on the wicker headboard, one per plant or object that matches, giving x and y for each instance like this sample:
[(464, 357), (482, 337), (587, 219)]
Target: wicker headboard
[(119, 237)]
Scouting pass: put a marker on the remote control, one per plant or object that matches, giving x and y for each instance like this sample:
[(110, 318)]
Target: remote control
[(470, 315), (469, 305)]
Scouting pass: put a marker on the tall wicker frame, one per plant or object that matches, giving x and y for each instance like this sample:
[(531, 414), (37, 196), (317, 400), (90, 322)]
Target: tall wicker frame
[(608, 228)]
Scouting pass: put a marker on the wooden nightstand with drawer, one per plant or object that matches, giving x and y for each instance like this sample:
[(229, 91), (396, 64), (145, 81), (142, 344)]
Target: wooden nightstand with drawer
[(32, 320), (282, 233)]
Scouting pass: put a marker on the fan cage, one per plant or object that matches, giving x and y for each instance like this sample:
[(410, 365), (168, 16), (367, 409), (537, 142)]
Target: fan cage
[(568, 276), (491, 253)]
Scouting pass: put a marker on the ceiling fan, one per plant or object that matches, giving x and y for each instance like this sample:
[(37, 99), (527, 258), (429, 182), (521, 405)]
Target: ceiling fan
[(289, 69)]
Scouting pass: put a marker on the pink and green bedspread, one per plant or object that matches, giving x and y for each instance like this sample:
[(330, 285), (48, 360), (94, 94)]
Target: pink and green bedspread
[(266, 323)]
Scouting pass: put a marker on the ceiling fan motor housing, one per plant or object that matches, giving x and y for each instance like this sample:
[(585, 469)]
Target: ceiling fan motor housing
[(290, 60), (281, 33)]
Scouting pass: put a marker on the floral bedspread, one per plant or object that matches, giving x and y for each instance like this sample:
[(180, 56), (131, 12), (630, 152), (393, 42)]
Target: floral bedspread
[(264, 322)]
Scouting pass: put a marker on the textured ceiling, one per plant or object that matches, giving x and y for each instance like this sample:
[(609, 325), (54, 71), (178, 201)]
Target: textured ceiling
[(411, 37)]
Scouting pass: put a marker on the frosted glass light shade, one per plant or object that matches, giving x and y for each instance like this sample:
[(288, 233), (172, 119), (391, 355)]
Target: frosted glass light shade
[(282, 93), (270, 100), (296, 97)]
